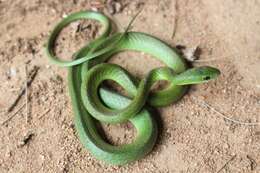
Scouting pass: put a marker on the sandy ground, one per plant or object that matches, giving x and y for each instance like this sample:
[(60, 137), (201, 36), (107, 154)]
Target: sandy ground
[(41, 137)]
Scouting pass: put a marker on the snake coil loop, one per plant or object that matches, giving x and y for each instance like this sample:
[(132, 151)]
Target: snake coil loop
[(90, 101)]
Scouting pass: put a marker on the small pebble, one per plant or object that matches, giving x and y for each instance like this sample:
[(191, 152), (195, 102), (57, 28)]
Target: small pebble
[(114, 7), (110, 9), (8, 154), (42, 158), (118, 7), (12, 72), (94, 8)]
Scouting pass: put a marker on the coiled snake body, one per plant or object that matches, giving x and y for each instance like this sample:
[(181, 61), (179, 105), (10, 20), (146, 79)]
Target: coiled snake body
[(90, 101)]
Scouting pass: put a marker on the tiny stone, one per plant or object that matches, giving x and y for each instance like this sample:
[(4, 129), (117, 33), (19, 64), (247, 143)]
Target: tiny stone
[(44, 98), (216, 152), (8, 154), (94, 8), (53, 11), (117, 7), (42, 158), (12, 71), (111, 9)]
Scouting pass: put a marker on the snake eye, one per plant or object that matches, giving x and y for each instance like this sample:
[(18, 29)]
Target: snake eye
[(206, 78)]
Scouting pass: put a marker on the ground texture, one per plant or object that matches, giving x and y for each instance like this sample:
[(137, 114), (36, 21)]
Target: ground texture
[(41, 137)]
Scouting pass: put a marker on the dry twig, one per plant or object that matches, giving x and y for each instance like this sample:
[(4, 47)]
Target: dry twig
[(205, 104), (9, 118), (44, 113), (26, 91), (225, 165), (175, 23), (25, 139), (32, 75)]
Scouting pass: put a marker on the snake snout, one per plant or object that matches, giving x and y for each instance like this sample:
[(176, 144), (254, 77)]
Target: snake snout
[(197, 75)]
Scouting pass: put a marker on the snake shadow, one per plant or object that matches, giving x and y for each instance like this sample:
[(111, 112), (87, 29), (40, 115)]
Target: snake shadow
[(160, 126)]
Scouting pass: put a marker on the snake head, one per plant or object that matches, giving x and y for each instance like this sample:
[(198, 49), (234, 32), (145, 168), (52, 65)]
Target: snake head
[(196, 75)]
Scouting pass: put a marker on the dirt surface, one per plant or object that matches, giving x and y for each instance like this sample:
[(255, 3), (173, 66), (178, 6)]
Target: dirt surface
[(41, 137)]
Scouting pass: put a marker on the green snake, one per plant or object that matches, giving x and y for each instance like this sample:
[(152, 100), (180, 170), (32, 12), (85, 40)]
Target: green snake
[(92, 101)]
